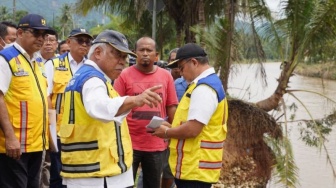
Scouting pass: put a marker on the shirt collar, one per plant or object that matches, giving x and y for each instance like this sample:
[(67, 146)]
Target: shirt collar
[(71, 59), (204, 74), (89, 62), (24, 52)]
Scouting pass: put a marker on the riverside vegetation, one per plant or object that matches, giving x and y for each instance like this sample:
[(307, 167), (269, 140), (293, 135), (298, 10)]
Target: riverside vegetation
[(321, 70)]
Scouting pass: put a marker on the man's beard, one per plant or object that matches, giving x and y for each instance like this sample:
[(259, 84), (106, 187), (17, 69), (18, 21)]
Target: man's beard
[(146, 64)]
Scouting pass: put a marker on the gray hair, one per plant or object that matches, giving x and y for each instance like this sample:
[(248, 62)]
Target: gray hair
[(202, 60), (93, 47)]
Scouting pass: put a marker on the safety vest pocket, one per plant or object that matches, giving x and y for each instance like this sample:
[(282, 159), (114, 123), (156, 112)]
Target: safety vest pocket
[(23, 129), (60, 84), (66, 130), (22, 86), (114, 153)]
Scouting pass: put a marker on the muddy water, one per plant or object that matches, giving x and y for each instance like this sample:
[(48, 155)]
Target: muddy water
[(314, 172)]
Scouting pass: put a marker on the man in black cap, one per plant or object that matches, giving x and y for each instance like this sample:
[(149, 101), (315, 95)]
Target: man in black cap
[(199, 126), (96, 145), (59, 71), (23, 106)]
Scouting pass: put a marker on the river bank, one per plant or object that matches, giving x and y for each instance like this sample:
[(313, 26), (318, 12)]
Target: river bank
[(323, 70)]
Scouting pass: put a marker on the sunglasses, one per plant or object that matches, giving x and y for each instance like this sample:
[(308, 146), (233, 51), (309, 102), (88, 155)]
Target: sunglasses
[(181, 66), (36, 33), (81, 41)]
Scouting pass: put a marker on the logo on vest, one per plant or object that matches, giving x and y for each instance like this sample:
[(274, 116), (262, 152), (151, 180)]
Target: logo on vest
[(21, 72), (61, 68)]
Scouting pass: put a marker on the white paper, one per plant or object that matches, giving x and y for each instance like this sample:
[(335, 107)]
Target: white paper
[(155, 122), (52, 130)]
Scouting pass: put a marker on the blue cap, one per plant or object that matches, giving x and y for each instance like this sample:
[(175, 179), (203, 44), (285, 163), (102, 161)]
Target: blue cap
[(35, 21), (115, 39), (79, 31)]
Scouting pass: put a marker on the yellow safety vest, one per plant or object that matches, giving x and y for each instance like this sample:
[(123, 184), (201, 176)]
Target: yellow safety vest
[(200, 158), (26, 101), (62, 75), (91, 148)]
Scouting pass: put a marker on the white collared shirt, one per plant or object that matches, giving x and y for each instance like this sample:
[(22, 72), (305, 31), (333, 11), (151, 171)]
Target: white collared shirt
[(203, 100), (5, 71), (100, 106), (49, 68)]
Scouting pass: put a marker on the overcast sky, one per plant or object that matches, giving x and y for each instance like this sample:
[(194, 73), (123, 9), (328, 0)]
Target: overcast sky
[(273, 4)]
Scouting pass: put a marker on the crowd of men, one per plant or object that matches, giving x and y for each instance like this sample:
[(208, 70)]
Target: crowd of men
[(73, 113)]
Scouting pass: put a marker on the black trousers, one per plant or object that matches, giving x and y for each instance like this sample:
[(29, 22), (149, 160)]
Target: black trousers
[(191, 184), (23, 173)]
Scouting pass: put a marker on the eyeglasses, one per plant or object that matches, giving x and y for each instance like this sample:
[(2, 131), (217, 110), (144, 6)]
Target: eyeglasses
[(36, 33), (49, 40), (181, 67), (81, 41)]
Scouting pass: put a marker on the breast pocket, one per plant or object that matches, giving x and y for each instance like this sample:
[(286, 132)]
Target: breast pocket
[(21, 86), (61, 79)]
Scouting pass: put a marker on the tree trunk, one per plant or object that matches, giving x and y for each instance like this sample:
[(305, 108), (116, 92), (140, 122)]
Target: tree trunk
[(224, 69)]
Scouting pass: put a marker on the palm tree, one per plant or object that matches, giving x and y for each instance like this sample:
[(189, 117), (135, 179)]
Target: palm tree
[(305, 23), (135, 17), (4, 13), (66, 19)]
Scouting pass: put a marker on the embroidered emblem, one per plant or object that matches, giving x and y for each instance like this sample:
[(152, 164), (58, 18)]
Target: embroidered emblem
[(43, 22), (20, 71)]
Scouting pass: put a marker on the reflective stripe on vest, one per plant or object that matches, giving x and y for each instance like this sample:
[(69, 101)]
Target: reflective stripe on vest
[(58, 104), (80, 146), (120, 149), (72, 109), (85, 168), (210, 165), (179, 158), (212, 145), (24, 124)]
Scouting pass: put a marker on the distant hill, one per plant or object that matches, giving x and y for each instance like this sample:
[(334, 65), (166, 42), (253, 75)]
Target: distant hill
[(51, 9)]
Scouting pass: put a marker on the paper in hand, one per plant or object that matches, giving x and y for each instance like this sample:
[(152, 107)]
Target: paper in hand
[(155, 122)]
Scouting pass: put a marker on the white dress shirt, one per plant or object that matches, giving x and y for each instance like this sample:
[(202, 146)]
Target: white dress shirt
[(203, 100), (100, 106), (49, 68)]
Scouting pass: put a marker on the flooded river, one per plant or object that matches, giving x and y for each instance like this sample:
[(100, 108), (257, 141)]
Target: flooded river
[(314, 171)]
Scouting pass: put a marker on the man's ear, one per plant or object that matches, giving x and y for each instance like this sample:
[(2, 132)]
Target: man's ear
[(98, 52), (19, 33)]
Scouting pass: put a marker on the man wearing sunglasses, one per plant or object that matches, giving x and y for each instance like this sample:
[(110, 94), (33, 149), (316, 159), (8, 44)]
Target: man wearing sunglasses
[(199, 126), (23, 106), (59, 72)]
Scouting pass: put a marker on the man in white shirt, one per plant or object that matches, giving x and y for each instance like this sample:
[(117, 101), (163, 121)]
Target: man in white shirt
[(23, 105), (96, 145), (199, 129), (48, 49), (47, 52), (59, 71)]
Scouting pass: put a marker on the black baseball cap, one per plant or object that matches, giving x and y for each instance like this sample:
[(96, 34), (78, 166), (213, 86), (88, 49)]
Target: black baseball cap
[(79, 31), (35, 21), (187, 51), (115, 39)]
